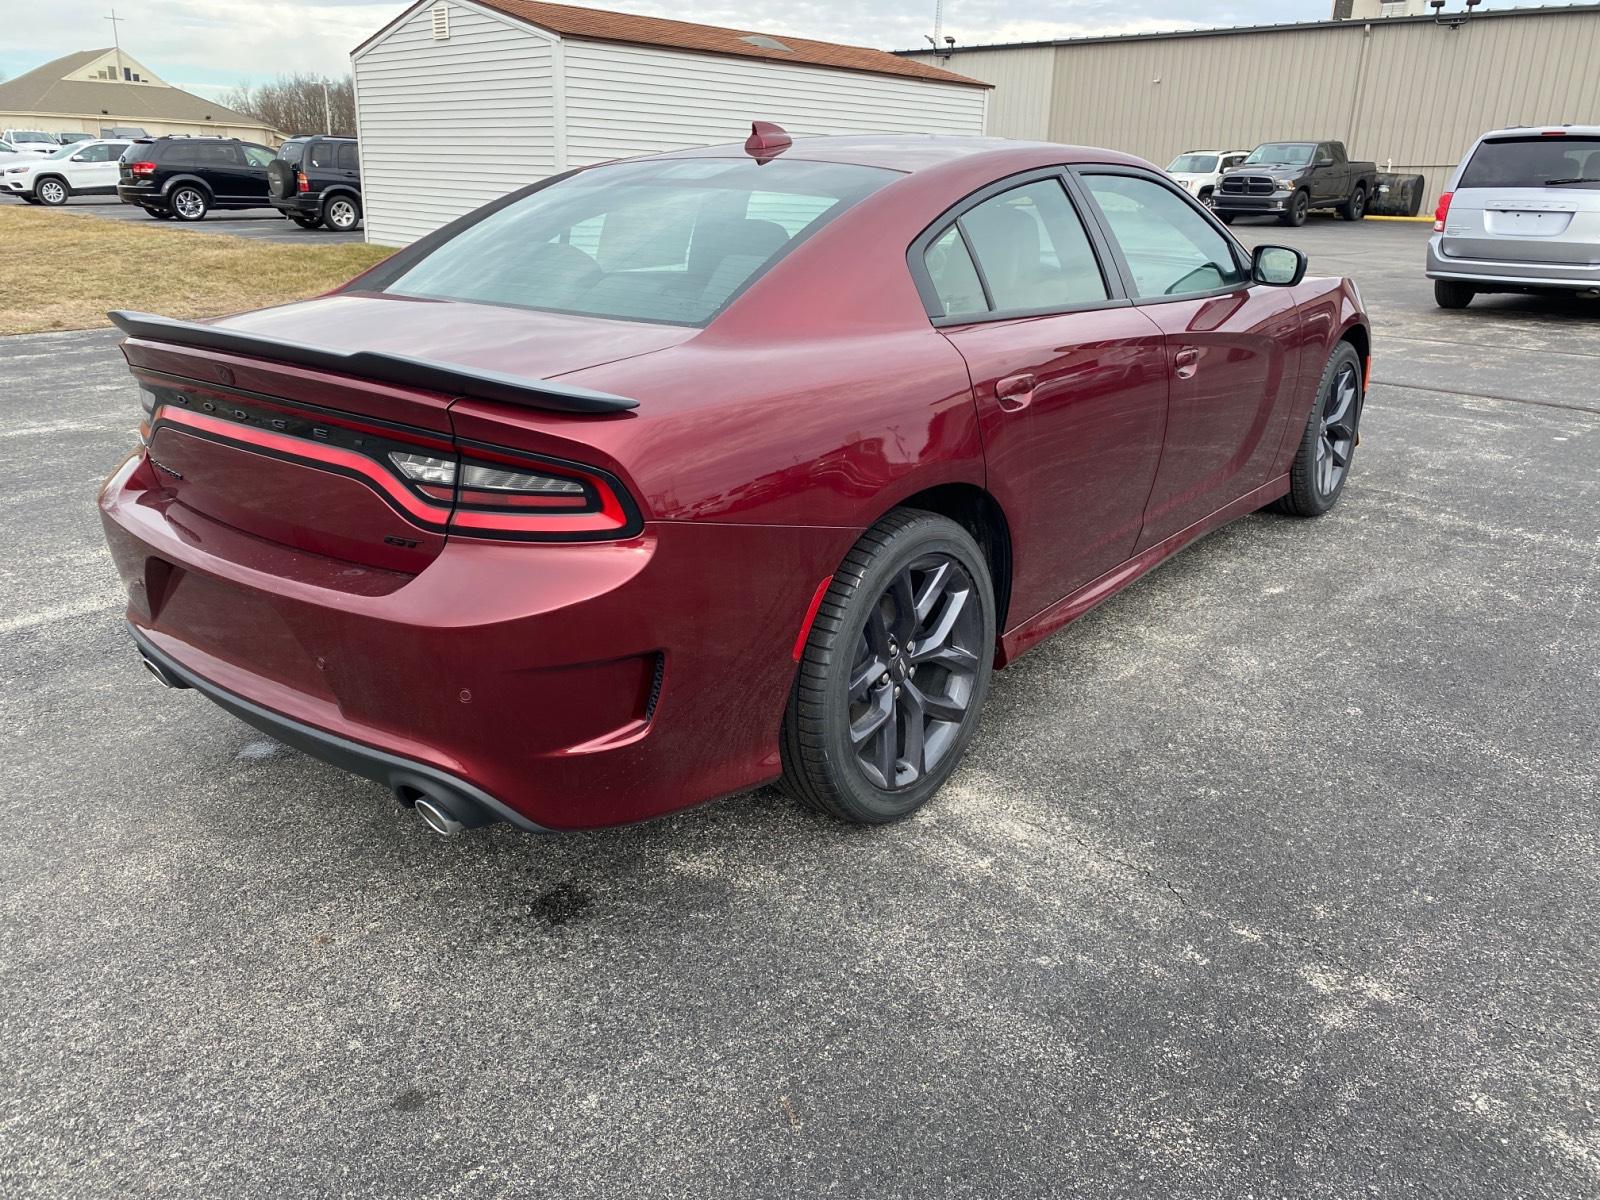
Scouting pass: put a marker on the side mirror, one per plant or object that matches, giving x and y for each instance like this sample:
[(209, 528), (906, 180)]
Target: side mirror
[(1323, 162), (1277, 266)]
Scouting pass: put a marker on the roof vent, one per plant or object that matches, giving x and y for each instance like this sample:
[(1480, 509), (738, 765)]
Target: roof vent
[(762, 42), (441, 22)]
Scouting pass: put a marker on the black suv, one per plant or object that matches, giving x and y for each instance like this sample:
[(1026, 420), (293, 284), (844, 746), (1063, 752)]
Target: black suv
[(186, 177), (316, 181)]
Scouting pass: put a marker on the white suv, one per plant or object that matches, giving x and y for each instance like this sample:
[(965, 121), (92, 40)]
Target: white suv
[(1199, 171), (83, 168)]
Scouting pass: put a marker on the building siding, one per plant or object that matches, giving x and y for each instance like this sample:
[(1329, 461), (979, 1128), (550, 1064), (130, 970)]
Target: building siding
[(1405, 93), (447, 126), (624, 100)]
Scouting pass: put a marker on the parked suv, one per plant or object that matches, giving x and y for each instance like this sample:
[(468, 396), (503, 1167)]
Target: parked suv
[(1520, 214), (1199, 171), (317, 181), (187, 177), (79, 169), (1288, 179)]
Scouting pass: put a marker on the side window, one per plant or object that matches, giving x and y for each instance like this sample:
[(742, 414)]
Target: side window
[(955, 279), (1032, 251), (94, 154), (1171, 249), (257, 156), (323, 154), (347, 157)]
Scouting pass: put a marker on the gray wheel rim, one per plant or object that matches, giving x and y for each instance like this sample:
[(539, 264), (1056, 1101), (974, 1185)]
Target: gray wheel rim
[(188, 203), (52, 192), (341, 214), (915, 672), (1301, 206), (1338, 436)]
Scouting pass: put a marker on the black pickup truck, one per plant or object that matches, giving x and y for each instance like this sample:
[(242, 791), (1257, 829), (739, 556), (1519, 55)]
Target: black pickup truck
[(1288, 179)]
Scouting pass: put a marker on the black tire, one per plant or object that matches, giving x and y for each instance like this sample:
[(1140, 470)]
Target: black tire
[(1207, 198), (160, 214), (1299, 209), (1318, 476), (1225, 218), (52, 190), (32, 199), (341, 212), (862, 630), (1447, 293), (1354, 208), (189, 203), (305, 221)]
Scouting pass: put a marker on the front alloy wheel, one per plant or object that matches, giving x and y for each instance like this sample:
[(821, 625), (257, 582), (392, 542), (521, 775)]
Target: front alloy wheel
[(1328, 445), (894, 671), (53, 192)]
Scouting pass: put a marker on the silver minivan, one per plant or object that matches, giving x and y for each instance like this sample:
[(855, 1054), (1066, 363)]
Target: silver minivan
[(1520, 214)]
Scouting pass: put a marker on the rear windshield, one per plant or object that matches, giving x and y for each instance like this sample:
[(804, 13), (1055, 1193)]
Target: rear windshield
[(1193, 164), (670, 240), (1285, 154), (291, 152), (1535, 162)]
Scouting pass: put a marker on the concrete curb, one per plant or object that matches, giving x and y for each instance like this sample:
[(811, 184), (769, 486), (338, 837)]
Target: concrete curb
[(1375, 217)]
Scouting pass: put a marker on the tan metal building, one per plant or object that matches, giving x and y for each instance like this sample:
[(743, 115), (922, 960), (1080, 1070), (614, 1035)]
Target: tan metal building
[(1403, 91)]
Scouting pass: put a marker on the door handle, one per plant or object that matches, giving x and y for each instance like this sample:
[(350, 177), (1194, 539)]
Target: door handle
[(1015, 391), (1187, 362)]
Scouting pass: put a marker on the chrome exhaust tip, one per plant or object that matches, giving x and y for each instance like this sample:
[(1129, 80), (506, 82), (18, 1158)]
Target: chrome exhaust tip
[(436, 817), (161, 676)]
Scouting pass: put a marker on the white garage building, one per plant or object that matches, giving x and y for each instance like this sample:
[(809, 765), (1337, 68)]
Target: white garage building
[(460, 101)]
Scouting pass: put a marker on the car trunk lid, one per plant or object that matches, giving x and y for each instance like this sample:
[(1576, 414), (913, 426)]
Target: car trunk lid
[(297, 427)]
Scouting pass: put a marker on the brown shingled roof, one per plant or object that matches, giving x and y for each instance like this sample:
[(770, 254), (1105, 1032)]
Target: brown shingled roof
[(599, 25)]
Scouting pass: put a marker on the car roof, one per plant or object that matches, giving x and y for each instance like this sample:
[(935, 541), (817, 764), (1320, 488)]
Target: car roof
[(914, 152), (1538, 130)]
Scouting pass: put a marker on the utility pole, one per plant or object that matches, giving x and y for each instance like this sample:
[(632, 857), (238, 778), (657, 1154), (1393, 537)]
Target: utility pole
[(327, 110), (116, 40)]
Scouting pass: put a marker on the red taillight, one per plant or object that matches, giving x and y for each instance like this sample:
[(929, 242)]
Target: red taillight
[(142, 168), (301, 183), (521, 499), (1440, 213)]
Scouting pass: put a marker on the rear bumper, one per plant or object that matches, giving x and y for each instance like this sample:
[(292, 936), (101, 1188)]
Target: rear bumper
[(305, 203), (1508, 274), (393, 772), (142, 195), (574, 685)]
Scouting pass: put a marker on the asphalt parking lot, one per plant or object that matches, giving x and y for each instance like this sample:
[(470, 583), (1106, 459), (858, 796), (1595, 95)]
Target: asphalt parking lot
[(262, 224), (1274, 876)]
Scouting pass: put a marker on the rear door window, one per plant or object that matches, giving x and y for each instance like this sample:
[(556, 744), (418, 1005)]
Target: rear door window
[(347, 157), (1531, 162), (1023, 251)]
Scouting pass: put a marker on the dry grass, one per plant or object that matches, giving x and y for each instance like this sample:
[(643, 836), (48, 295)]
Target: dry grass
[(64, 270)]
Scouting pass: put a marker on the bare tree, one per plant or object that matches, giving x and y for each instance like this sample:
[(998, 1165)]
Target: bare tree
[(299, 103)]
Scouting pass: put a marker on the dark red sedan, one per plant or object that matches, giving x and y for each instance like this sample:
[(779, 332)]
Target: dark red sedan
[(670, 477)]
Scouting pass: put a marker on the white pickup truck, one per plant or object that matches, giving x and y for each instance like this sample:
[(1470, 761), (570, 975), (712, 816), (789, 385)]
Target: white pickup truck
[(1198, 171)]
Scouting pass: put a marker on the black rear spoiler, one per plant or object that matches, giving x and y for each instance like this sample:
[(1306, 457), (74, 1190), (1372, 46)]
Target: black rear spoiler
[(369, 364)]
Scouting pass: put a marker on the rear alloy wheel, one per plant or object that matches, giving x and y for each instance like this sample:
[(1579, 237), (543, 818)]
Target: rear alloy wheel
[(189, 204), (894, 672), (52, 191), (1299, 209), (1448, 293), (341, 214), (1354, 208), (1328, 445)]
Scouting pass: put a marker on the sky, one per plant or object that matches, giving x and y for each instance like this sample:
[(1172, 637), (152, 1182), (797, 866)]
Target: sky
[(209, 47)]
